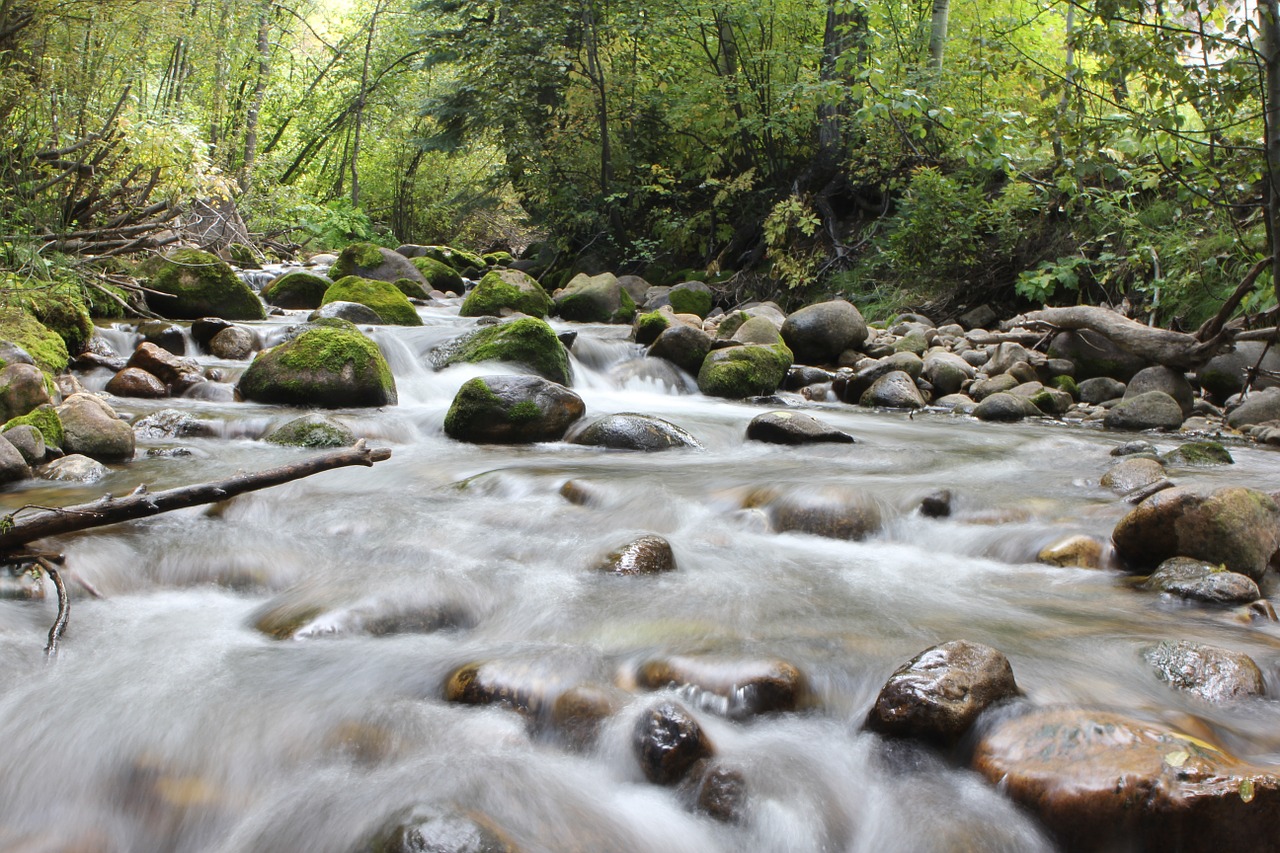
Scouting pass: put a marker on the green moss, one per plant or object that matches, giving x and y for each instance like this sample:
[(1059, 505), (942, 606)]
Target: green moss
[(474, 400), (199, 284), (744, 371), (595, 299), (440, 276), (506, 289), (312, 431), (523, 412), (411, 288), (1068, 384), (1198, 453), (497, 259), (296, 290), (690, 301), (46, 347), (649, 326), (527, 342), (731, 324), (391, 305), (333, 351), (45, 419), (323, 367)]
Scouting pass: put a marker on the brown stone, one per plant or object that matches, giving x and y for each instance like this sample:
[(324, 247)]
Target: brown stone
[(1131, 474), (176, 372), (750, 686), (668, 742), (1213, 674), (1201, 581), (1080, 551), (135, 382), (647, 555), (837, 513), (717, 791), (577, 713)]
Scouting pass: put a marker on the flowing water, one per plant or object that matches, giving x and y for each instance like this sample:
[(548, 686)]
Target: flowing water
[(169, 722)]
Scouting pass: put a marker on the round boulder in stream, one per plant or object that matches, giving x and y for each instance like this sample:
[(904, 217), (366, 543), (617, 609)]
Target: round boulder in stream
[(384, 298), (296, 290), (527, 342), (327, 367), (190, 284), (833, 512), (794, 428), (506, 290), (312, 430), (628, 431), (739, 372), (1213, 674), (1101, 781), (818, 333), (937, 695), (668, 742), (91, 427), (1150, 410), (512, 410)]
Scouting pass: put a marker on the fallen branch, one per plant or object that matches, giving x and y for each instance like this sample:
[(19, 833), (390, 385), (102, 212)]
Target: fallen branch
[(64, 605), (1160, 346), (1215, 324), (17, 532)]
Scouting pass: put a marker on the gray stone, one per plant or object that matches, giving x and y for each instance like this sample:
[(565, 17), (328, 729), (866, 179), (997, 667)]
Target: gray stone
[(1257, 408), (1133, 474), (1200, 581), (352, 312), (1213, 674), (22, 389), (894, 390), (1223, 375), (75, 469), (793, 428), (234, 344), (1152, 410), (512, 410), (1003, 406), (985, 387), (628, 431), (13, 466), (1159, 378), (981, 317), (91, 427), (818, 333), (1095, 355), (684, 346), (28, 440), (1100, 389)]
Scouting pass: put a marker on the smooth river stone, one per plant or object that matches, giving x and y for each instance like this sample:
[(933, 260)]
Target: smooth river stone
[(748, 686)]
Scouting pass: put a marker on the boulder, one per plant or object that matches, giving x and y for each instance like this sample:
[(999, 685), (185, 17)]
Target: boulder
[(1095, 355), (1160, 378), (312, 431), (684, 346), (1079, 551), (177, 373), (204, 329), (1101, 781), (716, 791), (982, 317), (234, 344), (45, 419), (984, 387), (1150, 410), (895, 390), (1197, 580), (25, 340), (794, 428), (937, 695), (1050, 401), (296, 290), (191, 284), (367, 261), (690, 297), (1131, 474), (668, 742), (1213, 674), (756, 330), (1198, 454), (936, 504), (750, 687), (74, 469), (595, 299), (744, 371), (22, 390), (1100, 389), (818, 333), (13, 464), (1232, 527), (648, 327), (438, 275), (1005, 356), (512, 410), (946, 372), (28, 440), (91, 427), (506, 291), (647, 555), (169, 336), (1257, 408), (352, 312), (386, 300), (135, 382), (1004, 406), (325, 367), (834, 512), (528, 343), (1224, 375), (629, 431), (173, 423)]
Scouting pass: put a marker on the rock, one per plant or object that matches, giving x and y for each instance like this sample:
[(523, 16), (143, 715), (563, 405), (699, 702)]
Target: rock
[(13, 465), (578, 713), (1160, 378), (1049, 401), (914, 342), (135, 382), (1100, 389), (352, 312), (528, 342), (894, 390), (690, 297), (818, 333), (750, 687), (1232, 527), (192, 284), (636, 286), (439, 276), (1257, 408), (296, 290), (203, 330), (648, 327), (312, 431), (1224, 375), (175, 372), (983, 388), (1005, 356), (1130, 448), (981, 317), (1213, 674), (1152, 410), (716, 791), (22, 390), (172, 423), (1198, 454), (384, 298), (629, 431), (529, 686), (233, 344), (937, 695), (647, 555), (22, 335), (1003, 406), (936, 505), (684, 346), (794, 428), (801, 376), (1080, 551), (957, 403), (1095, 355), (74, 469), (667, 742), (28, 440), (1100, 781), (506, 290), (429, 829), (374, 263), (90, 427), (512, 410), (595, 299), (1200, 581), (167, 336), (757, 330), (1132, 474), (946, 372), (744, 371), (45, 419), (833, 512), (325, 367)]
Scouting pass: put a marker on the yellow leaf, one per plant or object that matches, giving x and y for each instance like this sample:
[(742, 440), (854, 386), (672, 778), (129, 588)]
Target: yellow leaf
[(1176, 759), (1246, 790)]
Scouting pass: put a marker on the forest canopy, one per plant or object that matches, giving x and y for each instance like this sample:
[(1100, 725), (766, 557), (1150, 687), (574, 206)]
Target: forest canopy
[(898, 152)]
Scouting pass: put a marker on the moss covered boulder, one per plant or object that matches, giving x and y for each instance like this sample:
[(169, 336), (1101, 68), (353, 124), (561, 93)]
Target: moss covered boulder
[(527, 342), (367, 260), (439, 275), (47, 349), (45, 419), (22, 388), (745, 371), (648, 326), (59, 305), (506, 290), (323, 367), (512, 410), (312, 430), (296, 291), (382, 297), (195, 284), (691, 297), (595, 299)]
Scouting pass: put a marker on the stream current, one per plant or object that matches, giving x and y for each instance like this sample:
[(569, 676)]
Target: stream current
[(168, 722)]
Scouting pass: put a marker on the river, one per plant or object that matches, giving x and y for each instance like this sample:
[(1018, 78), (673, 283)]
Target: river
[(168, 722)]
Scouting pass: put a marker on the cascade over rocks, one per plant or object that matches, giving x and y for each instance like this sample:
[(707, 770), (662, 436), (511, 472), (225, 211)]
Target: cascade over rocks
[(749, 687), (668, 742)]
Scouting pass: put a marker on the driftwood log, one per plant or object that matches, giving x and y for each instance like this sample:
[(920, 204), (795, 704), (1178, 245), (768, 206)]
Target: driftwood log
[(1160, 346)]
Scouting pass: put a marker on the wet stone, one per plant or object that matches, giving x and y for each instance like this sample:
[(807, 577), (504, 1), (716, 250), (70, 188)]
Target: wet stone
[(74, 469), (835, 513), (1201, 581), (1213, 674), (629, 431), (936, 505), (668, 742), (794, 428), (717, 791), (747, 687), (435, 830), (1131, 448), (1194, 454), (647, 555), (530, 686), (1132, 474), (1084, 552), (577, 713)]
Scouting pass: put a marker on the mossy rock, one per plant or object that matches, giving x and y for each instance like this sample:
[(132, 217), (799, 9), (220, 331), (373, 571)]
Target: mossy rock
[(297, 290), (512, 410), (46, 347), (528, 342), (411, 288), (691, 297), (45, 419), (595, 299), (1198, 454), (195, 284), (649, 326), (745, 371), (321, 367), (497, 259), (439, 275), (368, 260), (245, 257), (59, 305), (511, 290), (1068, 384), (381, 296), (314, 431)]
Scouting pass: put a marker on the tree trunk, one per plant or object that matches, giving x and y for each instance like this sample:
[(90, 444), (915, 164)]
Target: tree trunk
[(360, 102), (595, 73), (1065, 99), (1160, 346), (1269, 18), (938, 35), (259, 94)]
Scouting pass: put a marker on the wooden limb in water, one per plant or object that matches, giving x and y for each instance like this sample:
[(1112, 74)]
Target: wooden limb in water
[(16, 532), (64, 605), (1160, 346)]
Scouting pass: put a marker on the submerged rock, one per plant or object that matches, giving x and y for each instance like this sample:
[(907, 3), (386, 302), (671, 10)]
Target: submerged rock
[(1201, 581), (313, 431), (834, 512), (1132, 474), (1080, 551), (1213, 674), (434, 830), (717, 791), (668, 742), (629, 431), (75, 468)]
